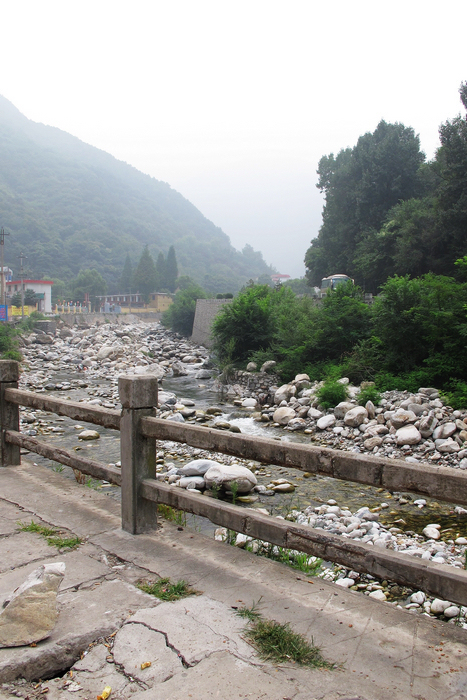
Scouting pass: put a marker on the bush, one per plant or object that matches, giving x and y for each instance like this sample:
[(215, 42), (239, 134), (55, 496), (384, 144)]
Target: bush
[(457, 394), (331, 393), (370, 393)]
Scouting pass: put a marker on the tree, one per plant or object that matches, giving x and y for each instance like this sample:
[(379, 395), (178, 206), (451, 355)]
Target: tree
[(171, 270), (181, 314), (246, 325), (30, 297), (451, 167), (361, 185), (145, 274), (88, 282), (126, 280), (161, 272)]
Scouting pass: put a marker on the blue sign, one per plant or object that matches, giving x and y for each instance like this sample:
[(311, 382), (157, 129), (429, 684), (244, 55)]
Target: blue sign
[(3, 312)]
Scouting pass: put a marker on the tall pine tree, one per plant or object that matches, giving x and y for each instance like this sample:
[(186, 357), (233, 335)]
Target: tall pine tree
[(126, 280), (161, 272), (171, 270), (145, 275)]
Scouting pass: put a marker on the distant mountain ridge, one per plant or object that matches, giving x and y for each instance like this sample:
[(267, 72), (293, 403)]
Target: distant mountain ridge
[(71, 206)]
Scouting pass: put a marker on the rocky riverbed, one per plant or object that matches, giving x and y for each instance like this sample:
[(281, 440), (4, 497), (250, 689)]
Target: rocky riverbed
[(83, 363)]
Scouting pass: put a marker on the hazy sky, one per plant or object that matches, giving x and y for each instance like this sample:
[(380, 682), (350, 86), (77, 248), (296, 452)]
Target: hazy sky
[(234, 103)]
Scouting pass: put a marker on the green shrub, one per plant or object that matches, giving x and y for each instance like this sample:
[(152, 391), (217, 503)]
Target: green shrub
[(456, 395), (370, 393), (331, 393)]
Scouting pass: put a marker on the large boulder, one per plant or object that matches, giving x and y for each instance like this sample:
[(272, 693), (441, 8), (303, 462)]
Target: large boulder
[(342, 408), (355, 417), (326, 422), (224, 475), (284, 393), (408, 435), (403, 417), (283, 415), (444, 431), (31, 612), (268, 366), (197, 467)]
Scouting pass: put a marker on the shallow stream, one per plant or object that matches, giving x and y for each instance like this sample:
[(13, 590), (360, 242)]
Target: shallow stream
[(309, 491)]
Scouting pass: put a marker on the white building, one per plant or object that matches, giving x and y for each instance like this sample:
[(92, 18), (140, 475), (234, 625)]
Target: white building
[(42, 288)]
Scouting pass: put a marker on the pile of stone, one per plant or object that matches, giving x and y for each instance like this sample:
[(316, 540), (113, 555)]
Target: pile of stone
[(209, 475), (404, 425), (107, 350)]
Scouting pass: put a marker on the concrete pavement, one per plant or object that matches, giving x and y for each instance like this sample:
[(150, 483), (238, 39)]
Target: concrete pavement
[(108, 628)]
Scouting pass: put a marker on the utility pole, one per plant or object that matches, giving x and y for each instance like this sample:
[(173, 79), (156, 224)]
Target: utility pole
[(21, 274), (2, 244)]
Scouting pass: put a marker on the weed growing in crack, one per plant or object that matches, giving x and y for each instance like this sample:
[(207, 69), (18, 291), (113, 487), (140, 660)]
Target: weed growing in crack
[(171, 514), (53, 536), (165, 590), (278, 643)]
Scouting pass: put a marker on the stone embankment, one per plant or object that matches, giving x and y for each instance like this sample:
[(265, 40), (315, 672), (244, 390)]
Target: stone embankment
[(416, 427)]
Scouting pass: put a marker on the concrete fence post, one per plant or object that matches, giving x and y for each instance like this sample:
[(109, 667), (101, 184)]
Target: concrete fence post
[(138, 396), (9, 412)]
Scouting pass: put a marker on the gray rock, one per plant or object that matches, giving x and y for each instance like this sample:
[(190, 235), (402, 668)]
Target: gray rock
[(408, 435), (284, 393), (342, 408), (427, 425), (444, 431), (267, 366), (251, 367), (283, 415), (224, 475), (355, 416), (178, 370), (192, 482), (88, 435), (31, 612), (402, 418), (197, 467), (326, 422)]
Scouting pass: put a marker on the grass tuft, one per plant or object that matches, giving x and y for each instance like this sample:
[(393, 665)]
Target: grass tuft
[(280, 644), (52, 535), (251, 614), (172, 514), (165, 590)]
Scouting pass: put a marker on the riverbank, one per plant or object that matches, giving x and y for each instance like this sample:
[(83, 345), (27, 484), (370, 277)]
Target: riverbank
[(188, 393)]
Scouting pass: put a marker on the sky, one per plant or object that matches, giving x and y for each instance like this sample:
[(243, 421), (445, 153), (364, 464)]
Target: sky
[(234, 103)]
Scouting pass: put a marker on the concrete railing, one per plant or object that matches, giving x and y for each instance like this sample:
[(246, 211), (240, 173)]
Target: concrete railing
[(139, 430)]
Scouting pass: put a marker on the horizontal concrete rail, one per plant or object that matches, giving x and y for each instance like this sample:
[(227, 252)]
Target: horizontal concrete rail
[(446, 582), (85, 465), (106, 417), (394, 475)]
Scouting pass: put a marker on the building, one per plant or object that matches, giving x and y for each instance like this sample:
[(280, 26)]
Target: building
[(279, 278), (42, 288), (158, 302)]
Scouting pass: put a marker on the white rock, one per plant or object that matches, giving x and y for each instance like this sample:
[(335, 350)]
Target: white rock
[(284, 488), (402, 418), (444, 430), (224, 475), (191, 482), (438, 606), (408, 435), (452, 611), (284, 393), (89, 435), (31, 612), (197, 467), (283, 415), (378, 595), (418, 597), (448, 446), (355, 416), (431, 532), (326, 422), (345, 582), (314, 414), (249, 403), (342, 408), (461, 540)]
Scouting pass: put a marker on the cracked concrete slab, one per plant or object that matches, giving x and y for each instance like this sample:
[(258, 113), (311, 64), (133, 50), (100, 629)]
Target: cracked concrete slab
[(382, 652), (85, 615), (196, 627)]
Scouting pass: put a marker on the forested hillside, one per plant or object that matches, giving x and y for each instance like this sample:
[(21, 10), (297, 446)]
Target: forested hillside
[(69, 206), (387, 212)]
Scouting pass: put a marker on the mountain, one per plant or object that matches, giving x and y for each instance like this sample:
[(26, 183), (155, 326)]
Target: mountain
[(70, 206)]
